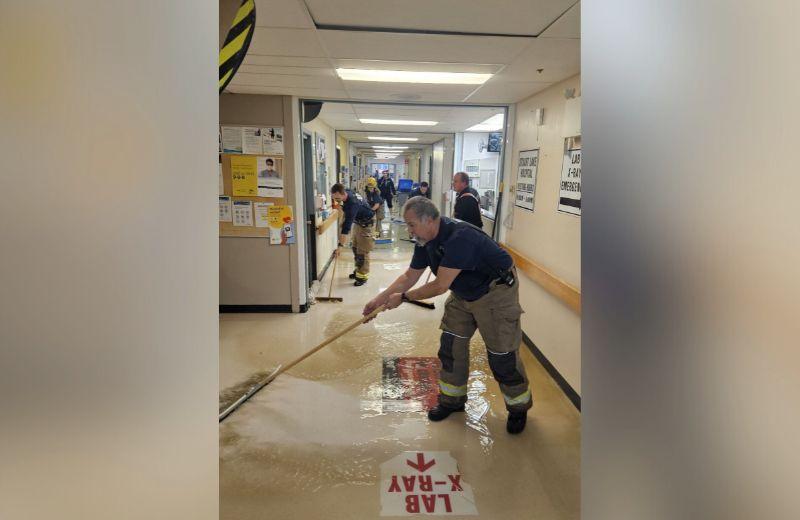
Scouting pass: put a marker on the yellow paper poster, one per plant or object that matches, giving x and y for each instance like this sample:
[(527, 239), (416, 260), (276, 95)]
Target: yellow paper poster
[(281, 225), (243, 176)]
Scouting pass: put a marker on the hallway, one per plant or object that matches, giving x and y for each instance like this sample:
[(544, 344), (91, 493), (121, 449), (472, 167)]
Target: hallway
[(311, 443)]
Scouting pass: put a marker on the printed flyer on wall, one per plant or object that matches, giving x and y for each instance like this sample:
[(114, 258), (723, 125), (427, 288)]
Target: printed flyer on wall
[(281, 225)]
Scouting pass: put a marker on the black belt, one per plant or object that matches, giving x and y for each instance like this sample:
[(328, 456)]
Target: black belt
[(505, 278), (366, 223)]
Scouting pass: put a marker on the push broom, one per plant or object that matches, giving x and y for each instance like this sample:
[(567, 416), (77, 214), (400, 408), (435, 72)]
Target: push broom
[(330, 298), (283, 368)]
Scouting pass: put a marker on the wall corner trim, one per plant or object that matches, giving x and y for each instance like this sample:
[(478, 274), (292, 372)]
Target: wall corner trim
[(562, 383)]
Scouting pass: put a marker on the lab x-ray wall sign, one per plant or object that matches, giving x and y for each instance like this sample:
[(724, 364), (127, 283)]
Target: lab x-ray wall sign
[(569, 195), (424, 483)]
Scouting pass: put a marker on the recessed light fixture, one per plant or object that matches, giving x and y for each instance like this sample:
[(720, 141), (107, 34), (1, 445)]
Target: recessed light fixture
[(389, 147), (386, 138), (412, 76), (493, 124), (398, 122)]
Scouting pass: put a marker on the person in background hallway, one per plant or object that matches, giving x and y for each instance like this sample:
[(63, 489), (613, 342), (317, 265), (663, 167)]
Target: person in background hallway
[(468, 206), (422, 190), (375, 202), (484, 296), (359, 213), (386, 186)]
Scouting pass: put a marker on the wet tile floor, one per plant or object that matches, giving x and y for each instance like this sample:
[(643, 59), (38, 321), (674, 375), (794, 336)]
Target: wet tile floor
[(310, 445)]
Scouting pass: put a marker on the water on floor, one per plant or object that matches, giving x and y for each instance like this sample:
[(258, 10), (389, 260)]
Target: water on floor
[(337, 435)]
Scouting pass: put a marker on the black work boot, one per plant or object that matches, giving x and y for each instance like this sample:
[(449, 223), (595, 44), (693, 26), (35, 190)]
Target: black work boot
[(516, 422), (359, 282), (440, 412), (352, 275)]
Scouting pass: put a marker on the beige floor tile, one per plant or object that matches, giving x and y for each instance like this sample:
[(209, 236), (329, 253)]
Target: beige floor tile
[(311, 443)]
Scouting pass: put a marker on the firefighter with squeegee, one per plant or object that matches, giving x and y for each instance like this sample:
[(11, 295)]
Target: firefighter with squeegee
[(484, 295)]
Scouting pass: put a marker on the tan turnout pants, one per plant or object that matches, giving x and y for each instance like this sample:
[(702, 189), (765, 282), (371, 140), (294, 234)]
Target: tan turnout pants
[(363, 241), (497, 316), (379, 216)]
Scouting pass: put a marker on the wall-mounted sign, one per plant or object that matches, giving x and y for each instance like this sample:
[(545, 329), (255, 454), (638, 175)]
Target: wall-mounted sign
[(322, 150), (242, 213), (527, 166), (495, 142), (270, 178), (472, 167), (251, 140), (243, 175), (231, 138), (488, 179), (281, 225), (272, 140), (569, 196)]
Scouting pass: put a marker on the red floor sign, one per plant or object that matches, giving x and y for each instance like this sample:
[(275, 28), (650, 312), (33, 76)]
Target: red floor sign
[(410, 380), (424, 483)]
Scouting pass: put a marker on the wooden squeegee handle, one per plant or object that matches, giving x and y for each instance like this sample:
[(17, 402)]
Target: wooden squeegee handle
[(330, 340), (333, 274)]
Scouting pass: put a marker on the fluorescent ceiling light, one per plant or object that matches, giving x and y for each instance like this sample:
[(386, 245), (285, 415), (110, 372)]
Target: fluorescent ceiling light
[(410, 76), (389, 147), (492, 124), (398, 122), (385, 138)]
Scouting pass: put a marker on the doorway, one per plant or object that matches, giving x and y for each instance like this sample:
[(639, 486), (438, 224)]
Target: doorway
[(309, 204), (338, 165)]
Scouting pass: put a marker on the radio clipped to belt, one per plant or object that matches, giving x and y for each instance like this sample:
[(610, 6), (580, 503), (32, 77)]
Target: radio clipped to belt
[(506, 278)]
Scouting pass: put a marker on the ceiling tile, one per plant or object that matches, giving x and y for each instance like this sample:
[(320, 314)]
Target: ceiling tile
[(286, 91), (506, 92), (338, 108), (559, 59), (286, 42), (276, 80), (450, 120), (285, 61), (421, 47), (568, 26), (496, 16), (396, 112), (282, 13), (297, 71), (442, 94)]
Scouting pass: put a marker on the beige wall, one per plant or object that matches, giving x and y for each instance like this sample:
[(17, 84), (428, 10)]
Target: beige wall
[(344, 156), (546, 236), (413, 167), (252, 272)]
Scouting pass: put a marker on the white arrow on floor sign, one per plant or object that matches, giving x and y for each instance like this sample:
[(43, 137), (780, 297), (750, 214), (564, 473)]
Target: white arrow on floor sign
[(424, 483)]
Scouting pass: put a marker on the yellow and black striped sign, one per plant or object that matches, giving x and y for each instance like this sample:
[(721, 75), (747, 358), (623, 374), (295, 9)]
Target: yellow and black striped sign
[(237, 42)]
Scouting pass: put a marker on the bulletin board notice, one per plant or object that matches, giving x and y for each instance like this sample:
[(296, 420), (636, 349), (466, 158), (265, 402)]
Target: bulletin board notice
[(244, 179)]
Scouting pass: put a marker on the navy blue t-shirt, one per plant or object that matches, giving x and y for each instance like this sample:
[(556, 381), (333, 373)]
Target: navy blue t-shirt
[(459, 245), (355, 210)]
